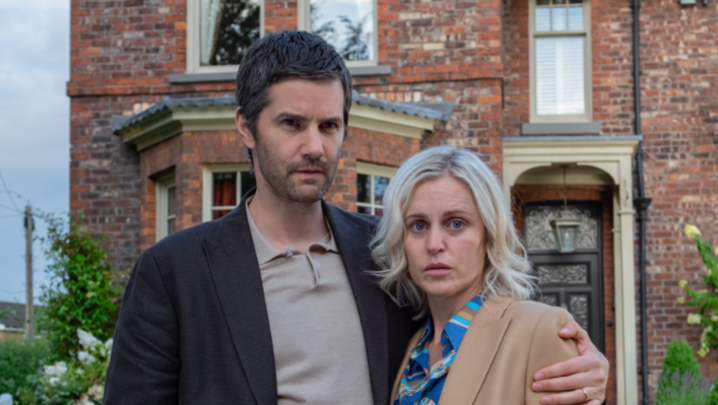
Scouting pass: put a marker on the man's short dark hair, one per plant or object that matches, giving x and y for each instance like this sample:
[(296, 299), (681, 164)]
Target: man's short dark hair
[(287, 55)]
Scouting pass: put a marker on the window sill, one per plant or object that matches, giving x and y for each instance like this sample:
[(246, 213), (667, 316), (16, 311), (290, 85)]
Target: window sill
[(562, 128), (232, 76)]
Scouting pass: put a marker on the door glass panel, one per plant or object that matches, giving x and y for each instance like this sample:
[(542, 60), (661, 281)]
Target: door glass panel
[(539, 235), (248, 182), (563, 274), (578, 307), (549, 299)]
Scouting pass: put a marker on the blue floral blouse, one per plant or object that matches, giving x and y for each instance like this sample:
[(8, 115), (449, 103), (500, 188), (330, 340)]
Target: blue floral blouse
[(421, 385)]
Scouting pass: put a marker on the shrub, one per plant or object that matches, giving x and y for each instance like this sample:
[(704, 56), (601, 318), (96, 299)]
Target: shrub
[(80, 294), (680, 379), (78, 381), (706, 300), (19, 359)]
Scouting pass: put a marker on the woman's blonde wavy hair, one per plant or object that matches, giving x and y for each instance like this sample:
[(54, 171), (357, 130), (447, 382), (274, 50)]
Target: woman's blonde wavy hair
[(506, 272)]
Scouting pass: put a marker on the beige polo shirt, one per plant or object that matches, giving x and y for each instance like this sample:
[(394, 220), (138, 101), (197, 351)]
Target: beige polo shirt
[(319, 350)]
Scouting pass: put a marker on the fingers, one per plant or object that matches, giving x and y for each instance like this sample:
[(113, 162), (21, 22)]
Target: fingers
[(572, 397), (573, 331), (584, 363)]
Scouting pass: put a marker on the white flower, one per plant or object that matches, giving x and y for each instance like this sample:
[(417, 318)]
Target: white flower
[(692, 231), (54, 381), (87, 340), (57, 369), (109, 343), (694, 319), (85, 358), (96, 391), (5, 399)]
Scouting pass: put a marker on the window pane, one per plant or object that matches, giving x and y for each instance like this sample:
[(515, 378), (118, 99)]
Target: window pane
[(543, 19), (171, 201), (248, 182), (543, 2), (575, 18), (559, 19), (220, 214), (348, 25), (559, 1), (575, 1), (224, 189), (379, 212), (363, 188), (364, 210), (170, 226), (380, 184), (559, 76), (227, 29)]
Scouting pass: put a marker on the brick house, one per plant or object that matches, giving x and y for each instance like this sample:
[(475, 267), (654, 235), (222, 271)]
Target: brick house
[(543, 89)]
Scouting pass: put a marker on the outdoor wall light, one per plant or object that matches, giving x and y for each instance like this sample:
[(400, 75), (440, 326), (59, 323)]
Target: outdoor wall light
[(565, 227)]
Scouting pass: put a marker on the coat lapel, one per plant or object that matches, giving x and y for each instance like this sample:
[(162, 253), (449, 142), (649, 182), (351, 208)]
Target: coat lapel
[(477, 351), (352, 239), (235, 272)]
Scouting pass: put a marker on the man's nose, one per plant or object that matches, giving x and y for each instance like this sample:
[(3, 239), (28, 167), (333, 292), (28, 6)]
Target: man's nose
[(313, 147)]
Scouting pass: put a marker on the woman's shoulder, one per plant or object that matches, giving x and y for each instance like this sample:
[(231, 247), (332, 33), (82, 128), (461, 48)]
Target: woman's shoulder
[(533, 312)]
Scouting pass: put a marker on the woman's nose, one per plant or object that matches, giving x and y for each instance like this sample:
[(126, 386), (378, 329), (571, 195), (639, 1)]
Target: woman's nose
[(435, 242)]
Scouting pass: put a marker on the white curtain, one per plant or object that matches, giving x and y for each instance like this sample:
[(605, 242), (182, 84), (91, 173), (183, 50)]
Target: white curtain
[(210, 11), (560, 80)]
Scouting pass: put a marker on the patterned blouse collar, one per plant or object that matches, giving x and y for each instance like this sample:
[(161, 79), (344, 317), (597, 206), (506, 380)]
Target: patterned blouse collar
[(419, 384)]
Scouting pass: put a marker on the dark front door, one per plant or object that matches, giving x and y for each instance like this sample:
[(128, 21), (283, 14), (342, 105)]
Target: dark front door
[(573, 280)]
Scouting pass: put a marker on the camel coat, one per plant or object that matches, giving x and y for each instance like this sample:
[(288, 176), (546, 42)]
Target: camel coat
[(507, 342)]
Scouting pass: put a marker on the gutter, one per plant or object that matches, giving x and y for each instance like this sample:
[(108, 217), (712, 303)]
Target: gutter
[(641, 202)]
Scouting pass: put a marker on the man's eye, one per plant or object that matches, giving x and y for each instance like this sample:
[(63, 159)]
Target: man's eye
[(456, 224), (289, 122), (330, 125)]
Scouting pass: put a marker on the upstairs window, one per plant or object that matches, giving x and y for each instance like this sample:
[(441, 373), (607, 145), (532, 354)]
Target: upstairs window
[(219, 32), (560, 61), (348, 25)]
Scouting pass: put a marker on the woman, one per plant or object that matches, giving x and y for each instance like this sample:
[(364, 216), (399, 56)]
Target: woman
[(449, 249)]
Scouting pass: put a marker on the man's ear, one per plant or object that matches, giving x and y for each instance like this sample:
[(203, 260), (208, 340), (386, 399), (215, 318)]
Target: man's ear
[(244, 133)]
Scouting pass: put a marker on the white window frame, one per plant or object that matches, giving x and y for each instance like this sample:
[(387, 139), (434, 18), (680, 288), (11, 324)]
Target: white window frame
[(372, 170), (587, 116), (193, 59), (304, 24), (162, 187), (208, 183)]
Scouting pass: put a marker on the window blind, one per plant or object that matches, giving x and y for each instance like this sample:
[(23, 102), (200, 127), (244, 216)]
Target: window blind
[(560, 76)]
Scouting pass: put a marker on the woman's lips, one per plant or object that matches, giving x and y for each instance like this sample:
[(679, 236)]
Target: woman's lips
[(437, 269)]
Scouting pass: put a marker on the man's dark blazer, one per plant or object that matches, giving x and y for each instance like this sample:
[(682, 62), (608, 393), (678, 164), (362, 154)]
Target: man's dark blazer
[(194, 329)]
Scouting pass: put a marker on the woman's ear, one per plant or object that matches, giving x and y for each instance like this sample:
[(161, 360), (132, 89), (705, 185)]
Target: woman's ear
[(244, 133)]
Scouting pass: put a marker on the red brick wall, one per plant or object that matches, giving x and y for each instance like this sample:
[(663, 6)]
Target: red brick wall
[(532, 193), (679, 61)]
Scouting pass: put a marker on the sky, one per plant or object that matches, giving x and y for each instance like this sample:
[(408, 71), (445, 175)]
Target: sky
[(34, 130)]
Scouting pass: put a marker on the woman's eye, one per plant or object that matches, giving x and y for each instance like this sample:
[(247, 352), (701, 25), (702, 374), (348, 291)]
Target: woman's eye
[(456, 224), (419, 227)]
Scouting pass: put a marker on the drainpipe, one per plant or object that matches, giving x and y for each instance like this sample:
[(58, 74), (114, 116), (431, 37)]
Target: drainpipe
[(641, 203)]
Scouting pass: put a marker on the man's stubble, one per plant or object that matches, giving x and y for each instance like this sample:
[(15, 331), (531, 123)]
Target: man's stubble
[(280, 181)]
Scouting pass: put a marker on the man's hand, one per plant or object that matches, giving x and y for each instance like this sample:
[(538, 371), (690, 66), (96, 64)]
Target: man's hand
[(589, 371)]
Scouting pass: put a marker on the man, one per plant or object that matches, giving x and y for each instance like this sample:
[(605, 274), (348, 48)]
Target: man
[(274, 304)]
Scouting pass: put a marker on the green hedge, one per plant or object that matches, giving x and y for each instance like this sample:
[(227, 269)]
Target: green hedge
[(18, 359)]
